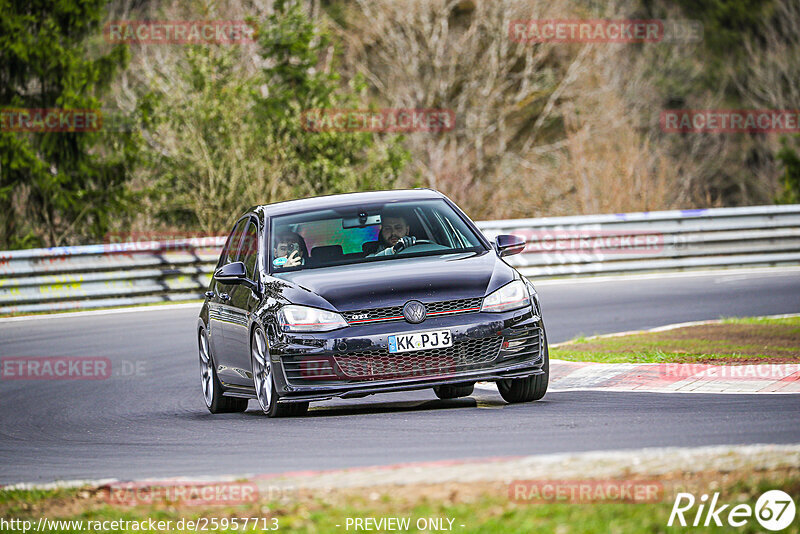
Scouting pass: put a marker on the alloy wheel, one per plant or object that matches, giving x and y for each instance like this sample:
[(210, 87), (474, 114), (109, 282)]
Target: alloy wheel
[(206, 372), (262, 370)]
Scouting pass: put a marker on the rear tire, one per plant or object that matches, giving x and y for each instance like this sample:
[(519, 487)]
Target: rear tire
[(453, 391), (527, 389), (212, 388)]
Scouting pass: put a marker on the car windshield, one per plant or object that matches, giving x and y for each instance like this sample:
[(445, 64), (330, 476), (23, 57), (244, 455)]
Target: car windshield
[(361, 234)]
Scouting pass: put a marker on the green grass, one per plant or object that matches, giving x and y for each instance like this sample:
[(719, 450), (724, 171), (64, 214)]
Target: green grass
[(15, 501), (786, 321), (754, 338), (487, 514), (687, 345), (791, 321), (652, 356)]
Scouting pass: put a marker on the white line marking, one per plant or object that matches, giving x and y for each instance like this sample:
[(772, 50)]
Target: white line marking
[(113, 311), (660, 276), (491, 386), (665, 391)]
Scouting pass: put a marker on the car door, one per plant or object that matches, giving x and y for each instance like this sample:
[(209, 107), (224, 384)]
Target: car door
[(243, 301), (219, 309)]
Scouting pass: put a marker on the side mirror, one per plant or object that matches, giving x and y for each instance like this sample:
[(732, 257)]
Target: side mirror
[(235, 273), (508, 245), (232, 273)]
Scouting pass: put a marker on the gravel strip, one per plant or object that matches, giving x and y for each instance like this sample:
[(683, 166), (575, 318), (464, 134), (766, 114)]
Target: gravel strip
[(589, 465)]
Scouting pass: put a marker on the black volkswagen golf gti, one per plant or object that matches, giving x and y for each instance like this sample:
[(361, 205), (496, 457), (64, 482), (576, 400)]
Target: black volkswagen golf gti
[(355, 294)]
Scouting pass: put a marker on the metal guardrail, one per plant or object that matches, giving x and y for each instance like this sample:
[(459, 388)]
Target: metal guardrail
[(99, 276), (96, 276), (655, 241)]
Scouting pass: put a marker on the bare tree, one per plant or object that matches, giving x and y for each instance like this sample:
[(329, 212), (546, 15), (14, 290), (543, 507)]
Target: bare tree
[(542, 128), (458, 55), (771, 79), (771, 76)]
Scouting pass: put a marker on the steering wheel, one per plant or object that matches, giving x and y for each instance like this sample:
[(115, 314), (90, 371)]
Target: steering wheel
[(417, 242)]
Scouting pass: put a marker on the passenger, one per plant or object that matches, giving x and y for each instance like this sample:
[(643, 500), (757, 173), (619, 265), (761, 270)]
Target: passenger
[(292, 247)]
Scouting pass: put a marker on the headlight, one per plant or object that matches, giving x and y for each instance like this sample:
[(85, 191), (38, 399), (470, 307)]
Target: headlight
[(509, 297), (537, 309), (294, 318)]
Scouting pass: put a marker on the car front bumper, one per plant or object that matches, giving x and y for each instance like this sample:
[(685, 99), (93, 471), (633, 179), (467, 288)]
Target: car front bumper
[(355, 361)]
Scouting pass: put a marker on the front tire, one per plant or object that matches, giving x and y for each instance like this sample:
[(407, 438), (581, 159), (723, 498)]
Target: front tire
[(212, 388), (264, 383), (527, 389)]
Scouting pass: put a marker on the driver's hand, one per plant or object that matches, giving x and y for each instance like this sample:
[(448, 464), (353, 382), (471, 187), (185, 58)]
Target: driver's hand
[(404, 242), (293, 260)]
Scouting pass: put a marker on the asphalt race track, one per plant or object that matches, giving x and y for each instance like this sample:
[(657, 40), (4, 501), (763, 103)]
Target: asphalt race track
[(150, 420)]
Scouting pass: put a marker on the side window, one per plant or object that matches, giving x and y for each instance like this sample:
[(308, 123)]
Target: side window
[(248, 252), (232, 246), (224, 255), (433, 222)]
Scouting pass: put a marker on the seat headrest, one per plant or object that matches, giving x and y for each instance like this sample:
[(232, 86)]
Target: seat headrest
[(327, 253)]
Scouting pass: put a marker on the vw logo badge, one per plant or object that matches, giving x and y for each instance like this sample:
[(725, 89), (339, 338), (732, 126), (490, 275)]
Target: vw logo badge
[(414, 311)]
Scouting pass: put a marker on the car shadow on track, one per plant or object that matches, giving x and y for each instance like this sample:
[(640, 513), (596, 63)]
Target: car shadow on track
[(364, 408)]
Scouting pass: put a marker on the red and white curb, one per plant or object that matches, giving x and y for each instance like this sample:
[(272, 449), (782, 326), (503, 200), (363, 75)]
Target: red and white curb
[(593, 464), (671, 377), (675, 377)]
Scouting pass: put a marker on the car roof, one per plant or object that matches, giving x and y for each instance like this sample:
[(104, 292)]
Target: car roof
[(346, 199)]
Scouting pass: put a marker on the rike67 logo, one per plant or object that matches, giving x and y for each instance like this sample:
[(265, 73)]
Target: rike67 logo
[(774, 510)]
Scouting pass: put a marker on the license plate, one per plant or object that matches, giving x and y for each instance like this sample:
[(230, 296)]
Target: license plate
[(434, 339)]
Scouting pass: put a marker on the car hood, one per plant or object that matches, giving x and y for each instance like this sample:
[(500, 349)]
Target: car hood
[(393, 282)]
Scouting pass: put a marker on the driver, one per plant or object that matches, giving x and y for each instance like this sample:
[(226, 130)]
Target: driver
[(394, 234)]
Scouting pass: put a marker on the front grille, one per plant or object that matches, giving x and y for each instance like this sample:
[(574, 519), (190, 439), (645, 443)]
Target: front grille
[(312, 368), (454, 306), (374, 315), (380, 364), (395, 313), (522, 344)]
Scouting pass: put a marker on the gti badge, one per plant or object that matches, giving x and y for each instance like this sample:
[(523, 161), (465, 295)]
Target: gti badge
[(414, 311)]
